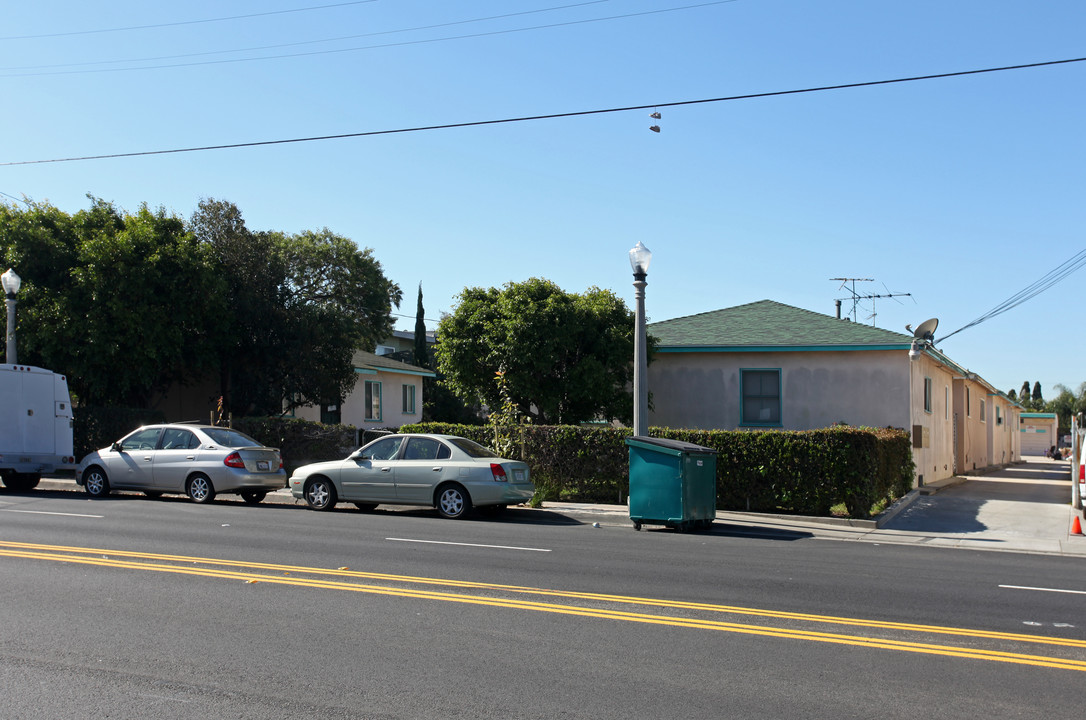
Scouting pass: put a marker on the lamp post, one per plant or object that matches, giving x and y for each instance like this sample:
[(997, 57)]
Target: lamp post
[(640, 257), (11, 283)]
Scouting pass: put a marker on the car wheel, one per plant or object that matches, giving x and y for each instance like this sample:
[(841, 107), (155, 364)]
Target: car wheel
[(320, 494), (453, 501), (96, 483), (200, 489), (253, 497), (366, 507)]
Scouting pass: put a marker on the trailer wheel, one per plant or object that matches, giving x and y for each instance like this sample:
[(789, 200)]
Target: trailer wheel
[(21, 481)]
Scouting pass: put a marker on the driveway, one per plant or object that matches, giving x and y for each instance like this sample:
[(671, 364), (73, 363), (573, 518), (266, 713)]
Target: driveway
[(1022, 507)]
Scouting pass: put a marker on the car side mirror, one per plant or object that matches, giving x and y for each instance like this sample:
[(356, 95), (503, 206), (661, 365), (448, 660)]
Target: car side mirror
[(115, 447)]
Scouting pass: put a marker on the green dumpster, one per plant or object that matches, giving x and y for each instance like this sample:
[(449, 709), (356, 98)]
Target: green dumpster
[(672, 483)]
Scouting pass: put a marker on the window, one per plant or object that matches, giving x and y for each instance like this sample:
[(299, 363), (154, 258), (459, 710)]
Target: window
[(982, 411), (927, 394), (968, 407), (761, 400), (373, 400), (142, 440), (946, 402), (383, 449), (177, 439), (419, 448), (409, 399)]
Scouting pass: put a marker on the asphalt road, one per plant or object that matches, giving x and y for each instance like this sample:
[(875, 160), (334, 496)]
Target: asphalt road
[(132, 607)]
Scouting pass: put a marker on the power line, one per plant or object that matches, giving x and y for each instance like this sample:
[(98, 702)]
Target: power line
[(182, 22), (552, 116), (1054, 276), (309, 42), (373, 47)]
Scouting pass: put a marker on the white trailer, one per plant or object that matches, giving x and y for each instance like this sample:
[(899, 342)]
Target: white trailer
[(35, 425)]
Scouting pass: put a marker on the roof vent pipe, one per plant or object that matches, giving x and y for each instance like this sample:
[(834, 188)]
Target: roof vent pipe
[(838, 304)]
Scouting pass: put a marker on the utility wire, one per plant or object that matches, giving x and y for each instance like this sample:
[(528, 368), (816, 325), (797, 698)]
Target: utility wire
[(307, 42), (582, 113), (183, 22), (377, 47), (1060, 273)]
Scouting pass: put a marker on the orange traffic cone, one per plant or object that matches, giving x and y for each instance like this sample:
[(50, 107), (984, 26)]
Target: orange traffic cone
[(1076, 526)]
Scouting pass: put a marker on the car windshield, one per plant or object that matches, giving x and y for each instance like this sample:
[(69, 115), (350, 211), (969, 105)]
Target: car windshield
[(230, 438), (472, 448)]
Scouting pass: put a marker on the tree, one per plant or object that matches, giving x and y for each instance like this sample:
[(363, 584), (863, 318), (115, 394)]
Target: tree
[(422, 349), (301, 306), (566, 358), (1023, 394), (1012, 394), (1063, 405), (1038, 401), (113, 291)]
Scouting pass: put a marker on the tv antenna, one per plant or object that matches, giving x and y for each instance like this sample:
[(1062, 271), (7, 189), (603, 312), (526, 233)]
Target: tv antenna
[(850, 285)]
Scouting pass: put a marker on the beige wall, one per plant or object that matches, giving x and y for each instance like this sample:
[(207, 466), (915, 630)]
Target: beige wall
[(701, 390), (1002, 421), (353, 409), (932, 425), (1037, 434)]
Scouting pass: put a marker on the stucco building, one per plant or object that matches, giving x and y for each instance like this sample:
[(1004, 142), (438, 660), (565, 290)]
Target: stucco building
[(766, 365)]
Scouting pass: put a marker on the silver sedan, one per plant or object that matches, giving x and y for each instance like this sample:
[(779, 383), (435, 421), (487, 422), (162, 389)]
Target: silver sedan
[(198, 460), (452, 474)]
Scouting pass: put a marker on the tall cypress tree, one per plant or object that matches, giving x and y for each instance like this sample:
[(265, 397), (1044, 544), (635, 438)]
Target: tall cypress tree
[(422, 354)]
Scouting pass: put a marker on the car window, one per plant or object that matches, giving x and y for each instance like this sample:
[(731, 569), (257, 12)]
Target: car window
[(178, 439), (472, 448), (141, 440), (383, 449), (229, 438), (423, 449)]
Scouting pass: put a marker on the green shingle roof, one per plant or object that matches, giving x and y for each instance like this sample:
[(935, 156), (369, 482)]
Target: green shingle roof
[(769, 324)]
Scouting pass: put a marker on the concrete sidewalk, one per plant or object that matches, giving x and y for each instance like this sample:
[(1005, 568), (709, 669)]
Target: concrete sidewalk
[(1020, 508)]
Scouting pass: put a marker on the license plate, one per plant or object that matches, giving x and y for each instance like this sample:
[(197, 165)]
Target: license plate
[(263, 465), (518, 475)]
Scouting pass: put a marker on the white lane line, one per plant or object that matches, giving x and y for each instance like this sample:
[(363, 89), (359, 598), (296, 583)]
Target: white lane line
[(42, 512), (1041, 589), (497, 547)]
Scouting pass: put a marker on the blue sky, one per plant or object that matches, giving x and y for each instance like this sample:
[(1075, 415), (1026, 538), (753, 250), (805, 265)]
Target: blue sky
[(959, 191)]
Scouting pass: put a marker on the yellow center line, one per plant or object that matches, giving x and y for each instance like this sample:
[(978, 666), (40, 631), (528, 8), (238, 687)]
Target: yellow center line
[(87, 556)]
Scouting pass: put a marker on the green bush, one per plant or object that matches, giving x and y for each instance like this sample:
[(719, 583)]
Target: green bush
[(300, 441), (804, 473), (98, 427)]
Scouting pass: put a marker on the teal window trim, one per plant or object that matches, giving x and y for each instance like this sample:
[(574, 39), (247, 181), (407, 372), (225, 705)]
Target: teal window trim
[(372, 398), (927, 395), (761, 398)]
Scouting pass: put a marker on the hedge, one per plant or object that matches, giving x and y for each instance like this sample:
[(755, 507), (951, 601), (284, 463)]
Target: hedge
[(804, 472)]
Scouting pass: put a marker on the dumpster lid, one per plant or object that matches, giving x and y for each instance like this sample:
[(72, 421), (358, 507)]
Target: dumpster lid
[(678, 445)]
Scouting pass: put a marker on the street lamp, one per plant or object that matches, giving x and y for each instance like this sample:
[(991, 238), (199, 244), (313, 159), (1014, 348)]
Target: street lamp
[(640, 257), (11, 283)]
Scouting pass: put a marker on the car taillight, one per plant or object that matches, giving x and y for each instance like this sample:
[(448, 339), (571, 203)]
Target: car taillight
[(1081, 473), (498, 472), (234, 460)]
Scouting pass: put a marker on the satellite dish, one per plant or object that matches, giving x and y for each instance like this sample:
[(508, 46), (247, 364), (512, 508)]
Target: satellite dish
[(926, 330)]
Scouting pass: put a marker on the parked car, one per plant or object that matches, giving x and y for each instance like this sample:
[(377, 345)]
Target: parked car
[(452, 474), (200, 461)]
